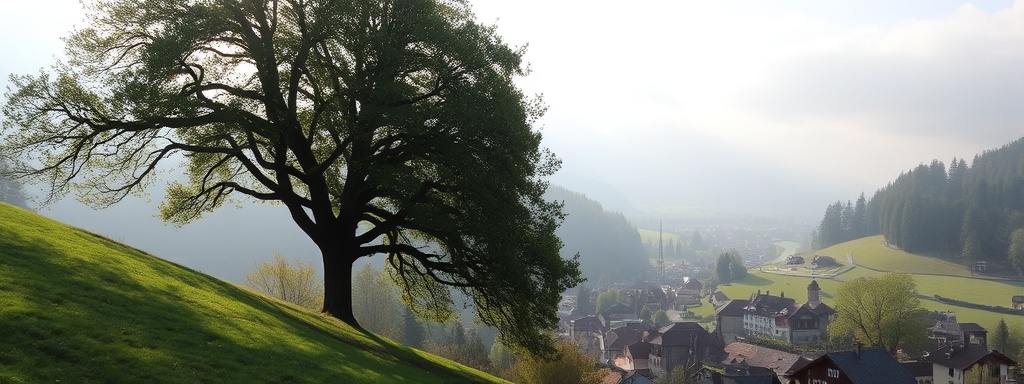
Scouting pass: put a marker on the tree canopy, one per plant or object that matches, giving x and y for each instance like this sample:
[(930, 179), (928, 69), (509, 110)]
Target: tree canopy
[(882, 312), (383, 127)]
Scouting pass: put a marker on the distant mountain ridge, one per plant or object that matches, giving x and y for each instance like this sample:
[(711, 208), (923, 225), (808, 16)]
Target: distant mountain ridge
[(607, 243)]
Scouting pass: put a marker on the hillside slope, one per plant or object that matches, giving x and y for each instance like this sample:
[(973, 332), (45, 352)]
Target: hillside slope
[(76, 307)]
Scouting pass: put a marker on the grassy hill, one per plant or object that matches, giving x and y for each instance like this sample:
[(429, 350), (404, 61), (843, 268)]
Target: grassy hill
[(933, 277), (76, 307)]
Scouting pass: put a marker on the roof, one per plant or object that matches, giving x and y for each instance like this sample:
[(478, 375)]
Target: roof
[(964, 357), (679, 334), (865, 367), (619, 338), (587, 321), (918, 368), (720, 296), (756, 356), (619, 309), (639, 349), (972, 327), (1018, 299), (821, 309), (733, 308), (636, 377), (770, 306)]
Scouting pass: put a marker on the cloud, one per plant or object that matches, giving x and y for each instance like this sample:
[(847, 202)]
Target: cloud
[(957, 77)]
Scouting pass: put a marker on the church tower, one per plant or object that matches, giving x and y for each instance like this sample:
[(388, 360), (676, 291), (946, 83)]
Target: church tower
[(813, 294)]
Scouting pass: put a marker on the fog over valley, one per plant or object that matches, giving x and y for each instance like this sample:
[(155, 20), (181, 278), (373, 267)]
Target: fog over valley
[(682, 113)]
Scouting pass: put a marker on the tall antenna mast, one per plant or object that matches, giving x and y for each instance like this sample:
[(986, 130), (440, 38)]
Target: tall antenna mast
[(661, 254)]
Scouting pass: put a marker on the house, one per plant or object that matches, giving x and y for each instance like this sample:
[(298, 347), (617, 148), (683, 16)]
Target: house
[(954, 362), (1018, 302), (794, 259), (822, 261), (779, 317), (718, 299), (678, 344), (730, 320), (615, 341), (777, 361), (637, 358), (921, 370), (737, 373), (636, 378), (589, 326), (859, 366), (974, 334)]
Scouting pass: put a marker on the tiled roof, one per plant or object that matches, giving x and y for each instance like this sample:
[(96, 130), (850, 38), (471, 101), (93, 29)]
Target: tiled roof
[(963, 357), (678, 334), (778, 361), (770, 306), (618, 338), (638, 350), (868, 366), (918, 368)]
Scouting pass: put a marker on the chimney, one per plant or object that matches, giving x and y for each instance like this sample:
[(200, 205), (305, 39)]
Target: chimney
[(767, 293), (782, 294), (857, 346)]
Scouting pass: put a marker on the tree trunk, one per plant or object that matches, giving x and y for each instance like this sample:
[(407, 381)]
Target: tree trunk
[(338, 287)]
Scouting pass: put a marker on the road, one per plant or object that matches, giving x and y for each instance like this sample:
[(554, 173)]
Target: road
[(789, 248)]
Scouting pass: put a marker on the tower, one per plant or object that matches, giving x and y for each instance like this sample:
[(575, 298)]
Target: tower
[(661, 255), (813, 294)]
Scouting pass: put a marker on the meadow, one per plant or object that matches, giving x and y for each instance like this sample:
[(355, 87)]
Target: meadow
[(77, 307)]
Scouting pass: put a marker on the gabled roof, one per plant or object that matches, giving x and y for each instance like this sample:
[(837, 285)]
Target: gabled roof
[(588, 321), (966, 356), (1018, 299), (770, 306), (619, 338), (720, 296), (918, 368), (679, 334), (636, 350), (733, 308), (619, 309), (821, 309), (756, 356), (972, 327), (865, 367)]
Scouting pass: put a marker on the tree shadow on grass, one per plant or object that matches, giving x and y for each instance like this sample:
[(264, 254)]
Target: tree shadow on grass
[(754, 280)]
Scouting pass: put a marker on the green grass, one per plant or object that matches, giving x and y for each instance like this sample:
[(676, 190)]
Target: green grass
[(75, 307), (870, 252)]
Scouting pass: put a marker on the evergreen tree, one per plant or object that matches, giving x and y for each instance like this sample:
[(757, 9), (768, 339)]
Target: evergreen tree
[(1001, 338), (736, 267), (723, 268), (1015, 254), (412, 330), (585, 304)]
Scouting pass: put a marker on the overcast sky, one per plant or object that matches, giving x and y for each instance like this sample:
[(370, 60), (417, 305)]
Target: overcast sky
[(785, 105)]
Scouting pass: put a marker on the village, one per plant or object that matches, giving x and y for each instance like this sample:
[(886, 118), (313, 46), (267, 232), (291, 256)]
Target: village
[(744, 341)]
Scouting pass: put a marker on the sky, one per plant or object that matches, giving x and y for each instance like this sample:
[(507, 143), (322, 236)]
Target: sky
[(654, 105)]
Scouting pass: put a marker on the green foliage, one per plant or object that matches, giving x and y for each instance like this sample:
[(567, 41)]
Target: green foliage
[(1016, 250), (679, 375), (375, 303), (11, 191), (723, 269), (646, 314), (1000, 339), (606, 241), (607, 299), (729, 267), (585, 304), (965, 213), (77, 305), (661, 318), (296, 284), (570, 367), (882, 312), (501, 357), (391, 128)]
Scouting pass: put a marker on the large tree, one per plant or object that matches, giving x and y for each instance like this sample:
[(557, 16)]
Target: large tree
[(881, 311), (384, 127)]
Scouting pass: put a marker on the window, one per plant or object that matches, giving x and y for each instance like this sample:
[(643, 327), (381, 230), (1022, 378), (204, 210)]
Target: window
[(951, 374)]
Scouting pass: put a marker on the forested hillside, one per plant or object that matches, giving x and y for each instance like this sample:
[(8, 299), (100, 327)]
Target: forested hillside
[(965, 213), (606, 241)]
